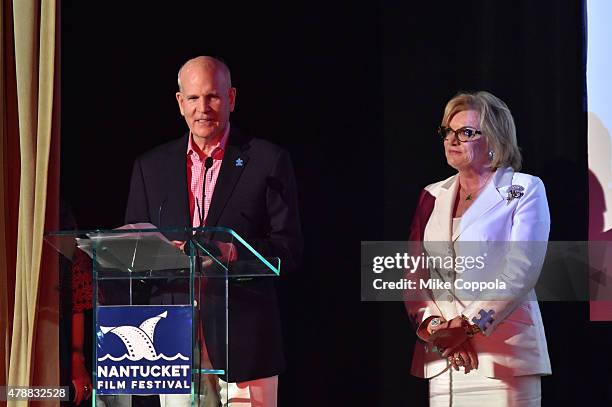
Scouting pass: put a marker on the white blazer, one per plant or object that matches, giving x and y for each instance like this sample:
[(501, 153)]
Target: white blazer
[(513, 343)]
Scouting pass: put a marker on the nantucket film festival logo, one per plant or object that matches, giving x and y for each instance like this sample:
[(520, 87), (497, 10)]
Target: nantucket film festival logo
[(143, 349)]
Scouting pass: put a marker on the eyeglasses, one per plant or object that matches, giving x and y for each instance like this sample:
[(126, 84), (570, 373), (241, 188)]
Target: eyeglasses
[(464, 134)]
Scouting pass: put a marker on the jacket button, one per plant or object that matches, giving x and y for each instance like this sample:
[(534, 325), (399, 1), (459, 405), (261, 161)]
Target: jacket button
[(449, 298)]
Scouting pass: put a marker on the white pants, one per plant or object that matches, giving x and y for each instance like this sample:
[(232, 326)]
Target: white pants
[(175, 400), (118, 400), (457, 389), (125, 400), (254, 393)]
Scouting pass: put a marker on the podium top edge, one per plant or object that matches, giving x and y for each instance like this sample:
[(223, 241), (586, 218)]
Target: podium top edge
[(90, 232)]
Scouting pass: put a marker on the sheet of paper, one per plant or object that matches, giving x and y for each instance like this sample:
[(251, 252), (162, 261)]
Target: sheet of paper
[(136, 251)]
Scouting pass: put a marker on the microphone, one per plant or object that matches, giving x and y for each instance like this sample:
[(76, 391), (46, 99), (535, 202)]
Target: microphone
[(208, 163), (210, 248), (197, 237)]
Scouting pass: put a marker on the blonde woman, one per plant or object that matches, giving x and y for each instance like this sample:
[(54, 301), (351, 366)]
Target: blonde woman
[(479, 349)]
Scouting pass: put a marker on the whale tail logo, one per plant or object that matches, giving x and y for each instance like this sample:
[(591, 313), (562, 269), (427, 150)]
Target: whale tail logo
[(138, 340)]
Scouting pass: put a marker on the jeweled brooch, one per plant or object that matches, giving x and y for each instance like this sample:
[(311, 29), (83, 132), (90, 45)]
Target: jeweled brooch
[(515, 191)]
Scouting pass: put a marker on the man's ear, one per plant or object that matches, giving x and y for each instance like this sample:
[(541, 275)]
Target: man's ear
[(179, 99), (232, 98)]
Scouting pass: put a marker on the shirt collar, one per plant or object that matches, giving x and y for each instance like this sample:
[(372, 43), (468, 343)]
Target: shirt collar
[(218, 151)]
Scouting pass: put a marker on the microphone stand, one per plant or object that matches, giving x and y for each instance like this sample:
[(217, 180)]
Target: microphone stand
[(199, 241)]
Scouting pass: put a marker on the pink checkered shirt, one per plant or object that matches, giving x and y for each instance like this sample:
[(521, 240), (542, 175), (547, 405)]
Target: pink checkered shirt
[(195, 175)]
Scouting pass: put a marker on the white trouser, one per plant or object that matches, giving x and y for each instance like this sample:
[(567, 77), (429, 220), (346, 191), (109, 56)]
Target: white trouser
[(116, 400), (254, 393), (175, 400), (457, 389)]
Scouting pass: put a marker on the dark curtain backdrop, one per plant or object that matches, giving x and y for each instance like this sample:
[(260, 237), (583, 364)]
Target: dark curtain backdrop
[(354, 92), (308, 76), (531, 55)]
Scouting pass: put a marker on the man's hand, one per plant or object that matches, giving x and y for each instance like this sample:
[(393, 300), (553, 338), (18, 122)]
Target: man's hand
[(228, 252), (179, 245)]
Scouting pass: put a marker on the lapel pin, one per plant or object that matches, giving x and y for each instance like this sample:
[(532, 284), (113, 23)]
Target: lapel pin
[(515, 191), (239, 162)]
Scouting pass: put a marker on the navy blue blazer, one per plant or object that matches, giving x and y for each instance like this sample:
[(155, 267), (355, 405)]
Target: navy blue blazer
[(257, 199)]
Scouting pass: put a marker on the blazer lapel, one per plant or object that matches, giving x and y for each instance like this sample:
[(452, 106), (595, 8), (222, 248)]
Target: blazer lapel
[(178, 190), (488, 198), (444, 210), (235, 160)]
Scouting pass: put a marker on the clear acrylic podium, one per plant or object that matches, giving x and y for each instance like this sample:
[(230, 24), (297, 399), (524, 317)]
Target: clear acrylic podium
[(160, 313)]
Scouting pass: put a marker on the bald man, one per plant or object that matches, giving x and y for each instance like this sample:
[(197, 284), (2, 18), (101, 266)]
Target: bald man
[(249, 187)]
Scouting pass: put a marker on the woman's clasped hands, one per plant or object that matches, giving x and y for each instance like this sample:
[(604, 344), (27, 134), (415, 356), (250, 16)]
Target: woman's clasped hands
[(453, 342)]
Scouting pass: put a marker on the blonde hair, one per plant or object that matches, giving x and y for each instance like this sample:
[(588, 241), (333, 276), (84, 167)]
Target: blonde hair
[(496, 124)]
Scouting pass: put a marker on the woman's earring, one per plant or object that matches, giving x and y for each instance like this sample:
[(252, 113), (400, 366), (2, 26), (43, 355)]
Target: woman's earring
[(491, 155)]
